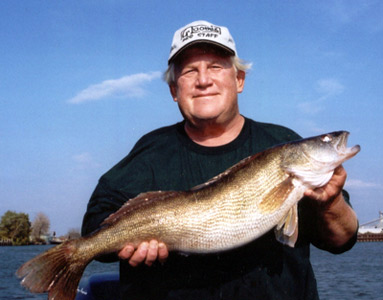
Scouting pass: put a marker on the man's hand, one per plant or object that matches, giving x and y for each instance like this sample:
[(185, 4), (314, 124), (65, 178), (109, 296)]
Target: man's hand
[(332, 190), (334, 221), (146, 252)]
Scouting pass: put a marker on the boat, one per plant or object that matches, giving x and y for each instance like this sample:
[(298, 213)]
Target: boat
[(371, 231), (99, 286), (56, 240)]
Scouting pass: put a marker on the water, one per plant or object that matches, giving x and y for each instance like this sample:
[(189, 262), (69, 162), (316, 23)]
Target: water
[(357, 274), (14, 257)]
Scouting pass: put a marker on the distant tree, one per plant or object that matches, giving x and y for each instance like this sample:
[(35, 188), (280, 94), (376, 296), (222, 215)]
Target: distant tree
[(15, 226), (40, 226), (73, 233)]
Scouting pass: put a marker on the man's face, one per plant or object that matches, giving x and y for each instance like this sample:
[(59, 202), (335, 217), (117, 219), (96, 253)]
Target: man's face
[(206, 86)]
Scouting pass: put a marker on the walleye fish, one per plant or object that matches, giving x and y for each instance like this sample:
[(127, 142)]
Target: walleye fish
[(254, 196)]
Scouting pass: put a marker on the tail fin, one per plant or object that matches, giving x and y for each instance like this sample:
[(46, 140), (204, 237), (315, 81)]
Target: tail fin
[(54, 271)]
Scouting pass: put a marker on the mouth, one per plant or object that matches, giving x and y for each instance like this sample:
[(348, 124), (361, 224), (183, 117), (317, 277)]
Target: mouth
[(205, 95), (345, 151)]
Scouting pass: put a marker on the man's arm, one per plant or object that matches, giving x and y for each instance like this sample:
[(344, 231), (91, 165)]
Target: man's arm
[(333, 221)]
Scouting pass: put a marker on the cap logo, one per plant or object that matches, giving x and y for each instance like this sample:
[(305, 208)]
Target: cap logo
[(203, 31)]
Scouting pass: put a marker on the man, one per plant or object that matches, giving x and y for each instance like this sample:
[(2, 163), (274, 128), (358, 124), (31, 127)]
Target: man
[(205, 77)]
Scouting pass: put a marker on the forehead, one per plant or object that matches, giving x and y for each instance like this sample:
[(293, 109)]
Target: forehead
[(201, 50)]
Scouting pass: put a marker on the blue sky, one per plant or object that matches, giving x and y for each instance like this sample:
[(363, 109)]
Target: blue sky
[(80, 82)]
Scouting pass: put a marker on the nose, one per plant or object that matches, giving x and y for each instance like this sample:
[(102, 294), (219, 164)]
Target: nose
[(204, 77)]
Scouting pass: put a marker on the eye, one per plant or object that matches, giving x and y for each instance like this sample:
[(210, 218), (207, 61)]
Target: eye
[(187, 71), (216, 67), (326, 138)]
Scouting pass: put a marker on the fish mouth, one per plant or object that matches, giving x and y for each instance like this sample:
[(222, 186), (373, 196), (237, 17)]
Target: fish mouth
[(322, 158), (342, 149), (339, 153)]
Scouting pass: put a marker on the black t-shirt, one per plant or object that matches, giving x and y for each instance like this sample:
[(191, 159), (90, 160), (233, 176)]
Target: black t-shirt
[(166, 159)]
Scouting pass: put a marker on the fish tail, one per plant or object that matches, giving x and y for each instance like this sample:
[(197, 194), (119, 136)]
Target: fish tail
[(57, 271)]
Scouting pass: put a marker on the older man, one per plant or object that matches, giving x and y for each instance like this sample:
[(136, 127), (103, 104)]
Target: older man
[(205, 77)]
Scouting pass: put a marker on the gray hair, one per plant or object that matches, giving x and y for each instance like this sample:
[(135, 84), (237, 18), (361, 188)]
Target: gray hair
[(240, 65)]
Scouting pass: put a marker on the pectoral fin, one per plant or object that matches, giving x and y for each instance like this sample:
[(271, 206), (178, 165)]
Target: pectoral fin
[(286, 231), (277, 196)]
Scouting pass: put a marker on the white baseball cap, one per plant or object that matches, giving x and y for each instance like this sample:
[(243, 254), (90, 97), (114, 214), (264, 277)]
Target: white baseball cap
[(201, 32)]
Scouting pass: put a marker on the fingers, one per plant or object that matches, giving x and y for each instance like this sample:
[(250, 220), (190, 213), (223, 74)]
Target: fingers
[(126, 252), (139, 255), (163, 252), (146, 252), (152, 253)]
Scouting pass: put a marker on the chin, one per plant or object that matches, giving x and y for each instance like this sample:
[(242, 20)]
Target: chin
[(207, 114), (205, 117)]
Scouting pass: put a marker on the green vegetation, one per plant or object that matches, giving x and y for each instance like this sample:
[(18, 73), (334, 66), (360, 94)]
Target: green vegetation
[(16, 229), (15, 226)]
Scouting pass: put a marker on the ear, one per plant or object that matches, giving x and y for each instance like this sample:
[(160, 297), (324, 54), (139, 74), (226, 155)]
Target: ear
[(173, 92), (241, 75)]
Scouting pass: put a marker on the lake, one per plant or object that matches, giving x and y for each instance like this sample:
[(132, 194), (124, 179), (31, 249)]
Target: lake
[(357, 274)]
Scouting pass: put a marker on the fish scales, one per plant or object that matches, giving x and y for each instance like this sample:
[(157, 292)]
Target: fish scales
[(249, 199), (210, 220)]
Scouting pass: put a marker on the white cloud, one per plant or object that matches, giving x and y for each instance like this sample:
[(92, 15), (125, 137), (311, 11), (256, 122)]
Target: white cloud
[(365, 14), (125, 87), (310, 127), (346, 11), (84, 160), (84, 157), (327, 88), (359, 184), (308, 107)]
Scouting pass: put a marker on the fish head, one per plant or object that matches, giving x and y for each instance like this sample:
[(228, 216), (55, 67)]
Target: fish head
[(314, 159)]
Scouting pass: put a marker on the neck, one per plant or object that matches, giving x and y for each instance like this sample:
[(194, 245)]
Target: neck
[(211, 134)]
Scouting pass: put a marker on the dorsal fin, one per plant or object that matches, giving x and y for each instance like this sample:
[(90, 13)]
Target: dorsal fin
[(133, 204), (224, 174), (150, 197)]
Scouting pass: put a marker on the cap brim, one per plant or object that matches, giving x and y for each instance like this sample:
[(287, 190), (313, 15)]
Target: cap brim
[(175, 55)]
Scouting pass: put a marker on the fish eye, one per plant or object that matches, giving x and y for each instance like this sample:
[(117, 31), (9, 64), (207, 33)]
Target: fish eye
[(326, 138)]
